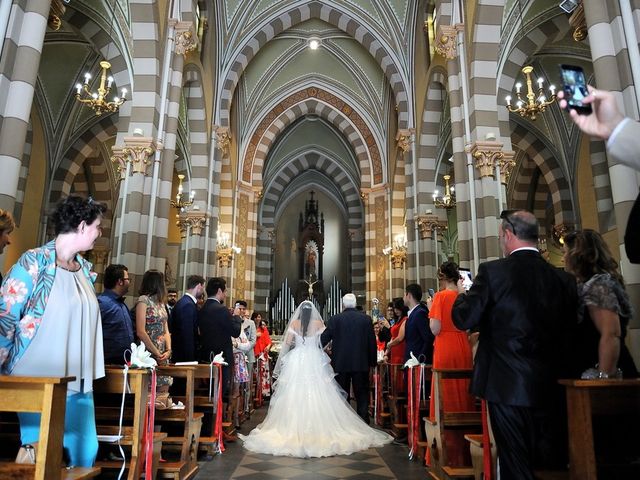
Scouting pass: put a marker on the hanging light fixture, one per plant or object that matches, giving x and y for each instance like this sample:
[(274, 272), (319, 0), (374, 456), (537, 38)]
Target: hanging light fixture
[(180, 203), (98, 100), (535, 102), (448, 200)]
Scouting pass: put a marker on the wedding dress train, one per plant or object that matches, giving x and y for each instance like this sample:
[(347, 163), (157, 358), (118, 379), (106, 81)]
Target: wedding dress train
[(308, 414)]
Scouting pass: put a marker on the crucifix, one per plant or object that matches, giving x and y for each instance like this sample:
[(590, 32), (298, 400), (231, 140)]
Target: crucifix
[(311, 284)]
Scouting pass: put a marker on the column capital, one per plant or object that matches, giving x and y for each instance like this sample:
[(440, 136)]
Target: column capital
[(506, 164), (223, 138), (185, 40), (579, 23), (486, 153), (427, 224), (403, 138), (194, 218), (138, 151), (56, 12), (446, 40), (118, 160)]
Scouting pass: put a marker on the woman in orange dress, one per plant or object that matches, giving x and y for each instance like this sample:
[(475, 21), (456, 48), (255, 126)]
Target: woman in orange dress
[(450, 350)]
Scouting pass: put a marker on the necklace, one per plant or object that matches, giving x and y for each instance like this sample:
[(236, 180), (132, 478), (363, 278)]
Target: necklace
[(73, 268)]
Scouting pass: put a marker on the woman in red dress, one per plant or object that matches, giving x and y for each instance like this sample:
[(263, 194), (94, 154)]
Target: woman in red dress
[(451, 349), (396, 346), (261, 352)]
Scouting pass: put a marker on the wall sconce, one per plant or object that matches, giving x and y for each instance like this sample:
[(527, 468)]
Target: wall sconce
[(398, 251), (225, 250), (448, 200)]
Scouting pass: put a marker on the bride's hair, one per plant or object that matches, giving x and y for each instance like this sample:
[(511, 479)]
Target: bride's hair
[(305, 316)]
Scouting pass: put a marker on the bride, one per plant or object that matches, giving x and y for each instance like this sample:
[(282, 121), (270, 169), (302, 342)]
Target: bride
[(308, 414)]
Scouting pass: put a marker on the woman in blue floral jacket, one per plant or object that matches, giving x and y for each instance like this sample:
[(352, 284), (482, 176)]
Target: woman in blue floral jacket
[(50, 323)]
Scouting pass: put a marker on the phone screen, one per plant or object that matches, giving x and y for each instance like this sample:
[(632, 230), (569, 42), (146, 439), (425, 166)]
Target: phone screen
[(431, 292), (574, 85), (467, 281)]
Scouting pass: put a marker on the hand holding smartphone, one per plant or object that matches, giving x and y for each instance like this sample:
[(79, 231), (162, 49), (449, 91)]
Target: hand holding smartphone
[(574, 86)]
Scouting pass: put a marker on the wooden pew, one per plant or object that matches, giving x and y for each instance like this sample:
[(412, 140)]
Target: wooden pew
[(397, 401), (467, 422), (47, 396), (185, 420), (603, 398), (107, 398)]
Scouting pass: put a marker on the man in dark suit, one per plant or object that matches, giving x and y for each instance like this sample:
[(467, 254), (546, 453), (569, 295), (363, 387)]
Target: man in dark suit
[(353, 351), (524, 308), (217, 326), (418, 336), (184, 322)]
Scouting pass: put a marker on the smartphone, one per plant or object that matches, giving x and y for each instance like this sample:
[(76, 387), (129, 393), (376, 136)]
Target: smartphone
[(574, 85), (431, 292), (467, 280)]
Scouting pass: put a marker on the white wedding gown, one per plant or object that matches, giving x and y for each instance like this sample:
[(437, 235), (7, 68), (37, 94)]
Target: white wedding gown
[(308, 414)]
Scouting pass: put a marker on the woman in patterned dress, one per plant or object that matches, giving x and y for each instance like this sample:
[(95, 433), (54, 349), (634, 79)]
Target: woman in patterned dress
[(151, 323), (604, 308)]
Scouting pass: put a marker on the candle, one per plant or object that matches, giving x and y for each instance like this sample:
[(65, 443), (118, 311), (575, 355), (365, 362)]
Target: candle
[(508, 99), (540, 82), (78, 88), (518, 87), (266, 304), (87, 77), (109, 82), (552, 89), (124, 93)]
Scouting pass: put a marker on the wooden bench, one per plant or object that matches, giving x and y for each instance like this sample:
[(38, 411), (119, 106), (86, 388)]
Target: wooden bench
[(441, 420), (107, 397), (476, 447), (396, 401), (47, 396), (603, 398), (184, 421)]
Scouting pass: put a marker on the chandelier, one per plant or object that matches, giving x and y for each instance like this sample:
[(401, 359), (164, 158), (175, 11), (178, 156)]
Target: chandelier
[(448, 200), (180, 203), (534, 103), (97, 100)]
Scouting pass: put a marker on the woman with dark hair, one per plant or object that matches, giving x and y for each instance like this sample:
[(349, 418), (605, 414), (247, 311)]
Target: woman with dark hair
[(261, 352), (308, 414), (604, 308), (50, 323), (395, 347), (152, 327), (451, 349)]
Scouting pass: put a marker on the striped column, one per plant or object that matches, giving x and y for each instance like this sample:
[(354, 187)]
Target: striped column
[(375, 241), (143, 118), (613, 72), (18, 73), (397, 212), (602, 186)]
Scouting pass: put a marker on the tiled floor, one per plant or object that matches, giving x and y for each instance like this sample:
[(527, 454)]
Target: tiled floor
[(373, 464)]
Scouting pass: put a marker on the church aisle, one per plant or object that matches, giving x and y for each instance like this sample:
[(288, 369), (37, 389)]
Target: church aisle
[(390, 462)]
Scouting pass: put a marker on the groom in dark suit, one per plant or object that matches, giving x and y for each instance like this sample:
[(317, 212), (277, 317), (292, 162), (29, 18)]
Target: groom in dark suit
[(524, 308), (353, 351)]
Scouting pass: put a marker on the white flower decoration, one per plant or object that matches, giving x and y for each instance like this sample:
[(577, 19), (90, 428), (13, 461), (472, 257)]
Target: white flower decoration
[(141, 358), (219, 359)]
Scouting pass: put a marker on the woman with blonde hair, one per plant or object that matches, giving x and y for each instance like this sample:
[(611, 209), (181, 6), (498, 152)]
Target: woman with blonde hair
[(604, 308)]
